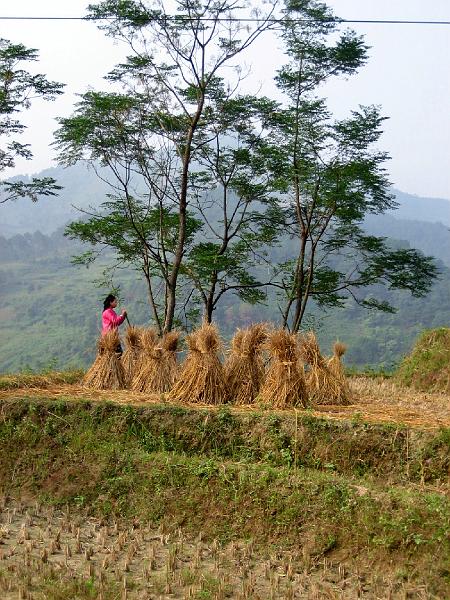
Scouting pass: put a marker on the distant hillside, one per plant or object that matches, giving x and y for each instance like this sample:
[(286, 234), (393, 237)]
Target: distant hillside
[(427, 231), (432, 210), (83, 188), (50, 310), (431, 238)]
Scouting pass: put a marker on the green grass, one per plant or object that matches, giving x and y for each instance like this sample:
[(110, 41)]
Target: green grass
[(49, 585), (390, 453), (427, 367)]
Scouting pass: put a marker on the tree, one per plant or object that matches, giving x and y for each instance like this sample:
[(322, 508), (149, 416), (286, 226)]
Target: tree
[(329, 174), (231, 193), (18, 88), (137, 220), (150, 146)]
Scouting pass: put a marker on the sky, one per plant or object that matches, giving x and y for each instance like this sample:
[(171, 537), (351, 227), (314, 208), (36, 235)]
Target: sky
[(408, 75)]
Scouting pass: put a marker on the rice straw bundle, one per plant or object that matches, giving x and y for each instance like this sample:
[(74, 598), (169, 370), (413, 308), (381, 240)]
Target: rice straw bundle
[(335, 365), (284, 385), (335, 362), (149, 372), (202, 377), (170, 345), (324, 385), (131, 356), (107, 371), (244, 369)]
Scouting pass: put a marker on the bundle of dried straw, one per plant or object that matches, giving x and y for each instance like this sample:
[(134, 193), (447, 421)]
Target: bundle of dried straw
[(335, 365), (131, 356), (335, 362), (107, 372), (170, 366), (148, 369), (201, 378), (284, 385), (244, 369), (325, 386)]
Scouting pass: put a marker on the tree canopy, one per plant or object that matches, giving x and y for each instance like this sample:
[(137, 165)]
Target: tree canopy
[(329, 174), (151, 132), (18, 88), (204, 179)]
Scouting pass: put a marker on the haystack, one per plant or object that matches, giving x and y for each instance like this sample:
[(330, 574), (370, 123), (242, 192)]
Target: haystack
[(170, 346), (337, 368), (148, 373), (324, 384), (202, 377), (107, 372), (244, 369), (335, 362), (131, 355), (284, 385)]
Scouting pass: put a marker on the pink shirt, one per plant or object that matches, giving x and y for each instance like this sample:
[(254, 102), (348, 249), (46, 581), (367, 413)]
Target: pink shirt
[(111, 320)]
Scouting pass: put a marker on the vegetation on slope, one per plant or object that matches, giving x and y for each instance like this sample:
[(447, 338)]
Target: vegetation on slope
[(50, 316), (427, 367)]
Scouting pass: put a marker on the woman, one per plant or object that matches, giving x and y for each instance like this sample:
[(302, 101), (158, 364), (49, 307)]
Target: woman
[(110, 319)]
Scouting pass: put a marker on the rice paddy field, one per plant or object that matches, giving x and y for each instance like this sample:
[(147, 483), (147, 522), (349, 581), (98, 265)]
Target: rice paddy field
[(127, 494)]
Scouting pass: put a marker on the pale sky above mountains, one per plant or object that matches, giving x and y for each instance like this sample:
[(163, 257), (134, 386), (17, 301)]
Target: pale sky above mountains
[(408, 74)]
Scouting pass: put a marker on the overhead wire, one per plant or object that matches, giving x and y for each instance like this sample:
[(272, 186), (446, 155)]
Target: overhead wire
[(243, 20)]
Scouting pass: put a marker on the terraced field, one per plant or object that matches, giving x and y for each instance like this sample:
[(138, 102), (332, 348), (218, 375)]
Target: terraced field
[(120, 495)]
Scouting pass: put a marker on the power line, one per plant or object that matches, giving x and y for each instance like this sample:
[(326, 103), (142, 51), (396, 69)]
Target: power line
[(244, 20)]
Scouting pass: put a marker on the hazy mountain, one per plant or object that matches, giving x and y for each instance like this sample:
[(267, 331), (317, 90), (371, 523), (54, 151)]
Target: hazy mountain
[(82, 188), (49, 311), (432, 210), (432, 239)]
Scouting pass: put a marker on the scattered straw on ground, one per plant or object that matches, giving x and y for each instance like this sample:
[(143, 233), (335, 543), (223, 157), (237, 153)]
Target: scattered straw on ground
[(374, 401)]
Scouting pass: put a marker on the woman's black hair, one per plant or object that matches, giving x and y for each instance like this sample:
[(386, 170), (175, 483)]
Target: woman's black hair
[(107, 302)]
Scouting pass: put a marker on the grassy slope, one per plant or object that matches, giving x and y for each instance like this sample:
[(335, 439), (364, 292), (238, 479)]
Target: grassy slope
[(427, 367), (241, 476)]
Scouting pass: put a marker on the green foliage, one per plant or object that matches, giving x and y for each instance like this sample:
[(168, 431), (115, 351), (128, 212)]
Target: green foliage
[(330, 174), (231, 192), (18, 88), (182, 148), (427, 367), (150, 135)]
